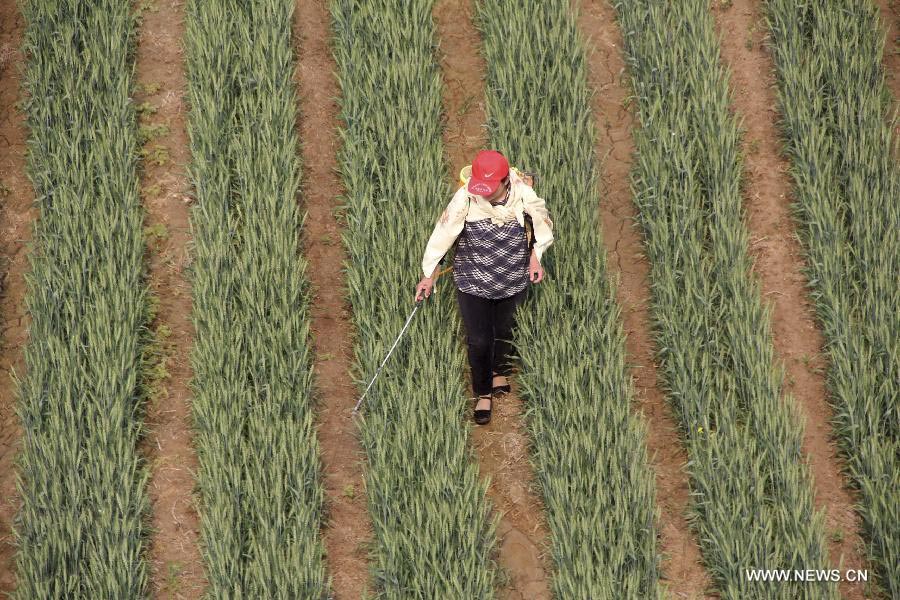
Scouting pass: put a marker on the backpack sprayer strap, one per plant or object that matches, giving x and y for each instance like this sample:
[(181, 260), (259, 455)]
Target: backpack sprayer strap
[(447, 270)]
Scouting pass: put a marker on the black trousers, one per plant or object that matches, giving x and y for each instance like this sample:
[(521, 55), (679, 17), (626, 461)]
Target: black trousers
[(489, 325)]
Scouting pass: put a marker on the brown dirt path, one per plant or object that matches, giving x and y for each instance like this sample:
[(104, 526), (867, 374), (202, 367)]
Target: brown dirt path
[(778, 263), (348, 531), (890, 18), (502, 445), (176, 565), (16, 216), (683, 572)]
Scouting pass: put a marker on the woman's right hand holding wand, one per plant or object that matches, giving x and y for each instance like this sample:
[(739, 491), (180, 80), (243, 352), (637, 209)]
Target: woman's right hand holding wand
[(423, 289)]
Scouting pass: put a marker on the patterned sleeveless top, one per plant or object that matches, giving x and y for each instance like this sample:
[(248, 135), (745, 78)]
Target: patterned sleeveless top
[(491, 261)]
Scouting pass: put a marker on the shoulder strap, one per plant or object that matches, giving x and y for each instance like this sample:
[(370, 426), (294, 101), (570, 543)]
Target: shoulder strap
[(529, 231), (456, 241), (526, 176)]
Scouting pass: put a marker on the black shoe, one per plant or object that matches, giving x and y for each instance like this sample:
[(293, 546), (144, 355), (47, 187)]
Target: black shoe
[(499, 390), (483, 416)]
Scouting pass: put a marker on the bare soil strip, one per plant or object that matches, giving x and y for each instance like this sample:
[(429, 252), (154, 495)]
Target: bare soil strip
[(890, 16), (779, 262), (501, 446), (16, 216), (683, 572), (176, 564), (349, 529)]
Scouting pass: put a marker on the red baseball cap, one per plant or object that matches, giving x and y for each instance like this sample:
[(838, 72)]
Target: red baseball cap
[(488, 169)]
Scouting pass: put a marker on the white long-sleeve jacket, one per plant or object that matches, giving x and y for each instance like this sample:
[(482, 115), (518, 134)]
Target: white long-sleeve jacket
[(465, 206)]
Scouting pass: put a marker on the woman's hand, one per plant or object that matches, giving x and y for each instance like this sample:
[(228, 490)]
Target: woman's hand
[(535, 270), (423, 289)]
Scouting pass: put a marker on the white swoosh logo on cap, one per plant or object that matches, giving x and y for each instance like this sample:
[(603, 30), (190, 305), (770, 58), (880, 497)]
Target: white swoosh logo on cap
[(488, 174)]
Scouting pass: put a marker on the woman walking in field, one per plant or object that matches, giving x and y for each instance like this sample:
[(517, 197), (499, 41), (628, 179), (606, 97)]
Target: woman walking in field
[(493, 265)]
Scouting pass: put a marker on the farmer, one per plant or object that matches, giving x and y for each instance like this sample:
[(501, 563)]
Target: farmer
[(492, 266)]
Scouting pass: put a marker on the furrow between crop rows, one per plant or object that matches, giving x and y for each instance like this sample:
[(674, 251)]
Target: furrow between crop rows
[(681, 564), (840, 135), (81, 531), (777, 257), (173, 555), (348, 527), (433, 534), (588, 447), (260, 474), (501, 447), (890, 18), (754, 503), (17, 213)]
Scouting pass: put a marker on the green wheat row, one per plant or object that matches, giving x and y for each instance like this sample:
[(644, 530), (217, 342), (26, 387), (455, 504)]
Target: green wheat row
[(433, 535), (753, 496), (844, 155), (589, 448), (260, 477), (81, 530)]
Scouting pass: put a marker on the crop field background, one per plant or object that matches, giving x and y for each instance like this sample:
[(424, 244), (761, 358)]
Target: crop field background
[(212, 220)]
